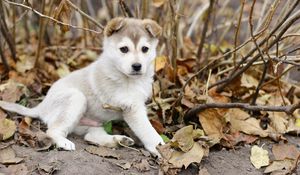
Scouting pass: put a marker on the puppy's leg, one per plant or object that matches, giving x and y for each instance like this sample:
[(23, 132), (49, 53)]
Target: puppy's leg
[(99, 136), (138, 121), (69, 113)]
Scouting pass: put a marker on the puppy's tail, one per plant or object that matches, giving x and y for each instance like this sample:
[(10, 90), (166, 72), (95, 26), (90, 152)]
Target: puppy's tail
[(13, 107)]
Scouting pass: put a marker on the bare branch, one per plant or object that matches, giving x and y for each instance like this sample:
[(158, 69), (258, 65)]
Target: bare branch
[(287, 109), (49, 17)]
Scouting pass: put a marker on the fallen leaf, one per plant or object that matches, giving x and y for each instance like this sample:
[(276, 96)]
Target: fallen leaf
[(49, 168), (285, 151), (182, 159), (281, 166), (8, 156), (241, 121), (297, 123), (230, 140), (157, 125), (7, 128), (183, 138), (124, 166), (102, 152), (12, 91), (142, 166), (213, 123), (259, 157), (158, 3), (63, 70), (279, 121), (165, 138), (160, 63), (248, 81), (25, 63), (2, 114), (20, 169)]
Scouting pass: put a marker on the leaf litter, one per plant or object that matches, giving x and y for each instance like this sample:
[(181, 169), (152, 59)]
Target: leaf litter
[(189, 139)]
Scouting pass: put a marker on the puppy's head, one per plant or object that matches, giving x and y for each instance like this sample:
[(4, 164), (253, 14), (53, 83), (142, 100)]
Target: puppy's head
[(131, 44)]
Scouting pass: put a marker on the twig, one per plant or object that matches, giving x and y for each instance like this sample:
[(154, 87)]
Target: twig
[(174, 31), (42, 26), (204, 30), (6, 34), (4, 61), (224, 82), (289, 109), (238, 30), (125, 9), (85, 15), (145, 8), (253, 102), (49, 17)]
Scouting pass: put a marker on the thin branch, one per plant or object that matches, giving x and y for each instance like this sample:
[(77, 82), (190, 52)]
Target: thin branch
[(204, 30), (85, 15), (125, 9), (4, 61), (224, 82), (289, 109), (49, 17), (238, 30)]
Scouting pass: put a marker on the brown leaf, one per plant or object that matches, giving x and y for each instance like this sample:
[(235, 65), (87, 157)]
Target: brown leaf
[(142, 166), (8, 156), (285, 151), (157, 125), (2, 114), (213, 123), (102, 151), (158, 3), (280, 166), (160, 63), (182, 159), (34, 138), (20, 169), (63, 13), (279, 121), (183, 138), (11, 91), (7, 128), (241, 121), (230, 140)]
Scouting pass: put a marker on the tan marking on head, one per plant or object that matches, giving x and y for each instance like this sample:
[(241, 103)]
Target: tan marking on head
[(133, 29)]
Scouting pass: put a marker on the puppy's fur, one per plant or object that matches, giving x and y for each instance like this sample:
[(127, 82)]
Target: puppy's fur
[(112, 79)]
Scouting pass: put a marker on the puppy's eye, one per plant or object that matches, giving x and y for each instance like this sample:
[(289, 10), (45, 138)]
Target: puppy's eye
[(124, 49), (145, 49)]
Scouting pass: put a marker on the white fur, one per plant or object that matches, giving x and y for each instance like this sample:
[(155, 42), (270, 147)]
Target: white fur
[(108, 80)]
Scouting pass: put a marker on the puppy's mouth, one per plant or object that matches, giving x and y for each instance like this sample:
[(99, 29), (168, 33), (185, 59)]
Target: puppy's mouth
[(135, 73)]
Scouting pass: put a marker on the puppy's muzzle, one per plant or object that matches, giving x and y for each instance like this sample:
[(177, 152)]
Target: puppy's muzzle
[(136, 67)]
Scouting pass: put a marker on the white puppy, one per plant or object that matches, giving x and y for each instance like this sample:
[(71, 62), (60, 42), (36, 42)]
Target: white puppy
[(121, 77)]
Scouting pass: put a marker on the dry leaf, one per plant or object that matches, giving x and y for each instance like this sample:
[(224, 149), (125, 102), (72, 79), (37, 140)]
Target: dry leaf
[(181, 159), (259, 157), (157, 125), (142, 166), (230, 140), (8, 156), (183, 138), (124, 166), (20, 169), (25, 63), (160, 63), (7, 128), (11, 91), (241, 121), (285, 151), (102, 151), (248, 81), (281, 166), (279, 121), (158, 3), (203, 171), (213, 123)]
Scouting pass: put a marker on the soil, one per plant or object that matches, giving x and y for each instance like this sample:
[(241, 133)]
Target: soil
[(219, 162)]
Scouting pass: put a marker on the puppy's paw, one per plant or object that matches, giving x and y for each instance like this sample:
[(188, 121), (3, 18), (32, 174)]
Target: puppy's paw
[(65, 144), (153, 151), (124, 140)]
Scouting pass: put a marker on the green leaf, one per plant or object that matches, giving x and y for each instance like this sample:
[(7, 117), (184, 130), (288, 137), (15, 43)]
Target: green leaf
[(165, 138), (108, 127)]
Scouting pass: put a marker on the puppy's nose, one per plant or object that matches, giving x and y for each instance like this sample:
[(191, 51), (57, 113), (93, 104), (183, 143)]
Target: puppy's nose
[(136, 67)]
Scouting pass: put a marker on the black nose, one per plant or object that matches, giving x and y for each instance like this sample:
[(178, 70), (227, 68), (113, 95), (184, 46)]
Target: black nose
[(136, 67)]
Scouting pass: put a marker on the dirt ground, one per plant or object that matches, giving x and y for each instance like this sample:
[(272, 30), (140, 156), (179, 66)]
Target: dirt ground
[(225, 162)]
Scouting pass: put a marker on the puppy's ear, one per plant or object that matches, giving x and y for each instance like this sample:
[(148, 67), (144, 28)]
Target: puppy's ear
[(113, 26), (152, 27)]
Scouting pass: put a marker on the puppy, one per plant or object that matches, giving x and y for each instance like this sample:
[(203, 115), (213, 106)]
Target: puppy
[(121, 77)]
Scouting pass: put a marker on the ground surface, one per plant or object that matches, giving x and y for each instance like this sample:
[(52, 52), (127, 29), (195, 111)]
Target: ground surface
[(225, 162)]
